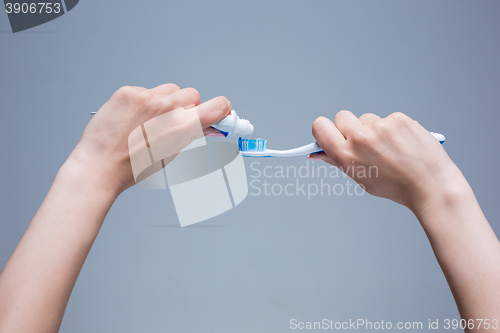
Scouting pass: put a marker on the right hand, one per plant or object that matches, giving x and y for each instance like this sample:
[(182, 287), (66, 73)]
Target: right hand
[(408, 165)]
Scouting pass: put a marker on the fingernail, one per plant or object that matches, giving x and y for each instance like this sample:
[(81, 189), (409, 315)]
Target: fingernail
[(314, 159), (189, 106), (215, 134)]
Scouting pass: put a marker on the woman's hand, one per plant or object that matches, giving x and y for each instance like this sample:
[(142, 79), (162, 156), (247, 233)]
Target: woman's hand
[(36, 282), (103, 149), (394, 157), (413, 169)]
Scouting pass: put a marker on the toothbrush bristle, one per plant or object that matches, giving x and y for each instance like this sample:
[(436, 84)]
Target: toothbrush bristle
[(251, 144)]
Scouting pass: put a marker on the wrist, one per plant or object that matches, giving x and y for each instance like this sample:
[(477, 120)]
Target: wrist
[(89, 174), (449, 192)]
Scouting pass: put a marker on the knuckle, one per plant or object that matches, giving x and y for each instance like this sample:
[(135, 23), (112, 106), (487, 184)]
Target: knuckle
[(125, 93), (360, 137), (368, 115), (146, 95), (165, 104), (143, 98), (157, 106), (173, 86), (342, 114), (134, 95), (399, 118), (380, 127)]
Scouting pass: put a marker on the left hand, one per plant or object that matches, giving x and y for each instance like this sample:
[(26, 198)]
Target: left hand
[(103, 148)]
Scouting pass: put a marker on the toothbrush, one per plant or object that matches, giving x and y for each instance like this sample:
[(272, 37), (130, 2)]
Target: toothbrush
[(257, 148)]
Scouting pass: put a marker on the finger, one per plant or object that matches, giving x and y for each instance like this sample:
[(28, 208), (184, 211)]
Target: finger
[(210, 131), (346, 122), (179, 99), (329, 138), (138, 88), (166, 89), (213, 111), (369, 118), (322, 156)]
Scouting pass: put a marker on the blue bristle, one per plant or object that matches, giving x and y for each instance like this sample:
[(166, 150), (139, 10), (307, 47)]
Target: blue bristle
[(251, 144)]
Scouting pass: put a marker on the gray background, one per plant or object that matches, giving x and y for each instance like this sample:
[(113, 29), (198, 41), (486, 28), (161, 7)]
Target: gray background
[(282, 64)]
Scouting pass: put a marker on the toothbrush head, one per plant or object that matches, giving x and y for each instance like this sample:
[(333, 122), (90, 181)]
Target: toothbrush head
[(251, 145), (257, 148)]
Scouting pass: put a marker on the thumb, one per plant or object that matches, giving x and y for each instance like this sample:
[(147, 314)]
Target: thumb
[(213, 111), (330, 139), (321, 156)]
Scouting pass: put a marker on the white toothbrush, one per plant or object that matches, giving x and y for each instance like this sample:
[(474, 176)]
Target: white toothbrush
[(257, 148)]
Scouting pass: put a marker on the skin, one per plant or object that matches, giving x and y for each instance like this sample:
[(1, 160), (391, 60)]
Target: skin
[(414, 170), (37, 280)]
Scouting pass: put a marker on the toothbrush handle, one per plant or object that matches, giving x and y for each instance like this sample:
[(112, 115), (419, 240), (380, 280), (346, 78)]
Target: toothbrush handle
[(315, 148), (304, 150), (439, 137)]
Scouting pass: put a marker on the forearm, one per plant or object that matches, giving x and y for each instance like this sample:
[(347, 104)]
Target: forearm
[(416, 172), (37, 281), (467, 250)]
